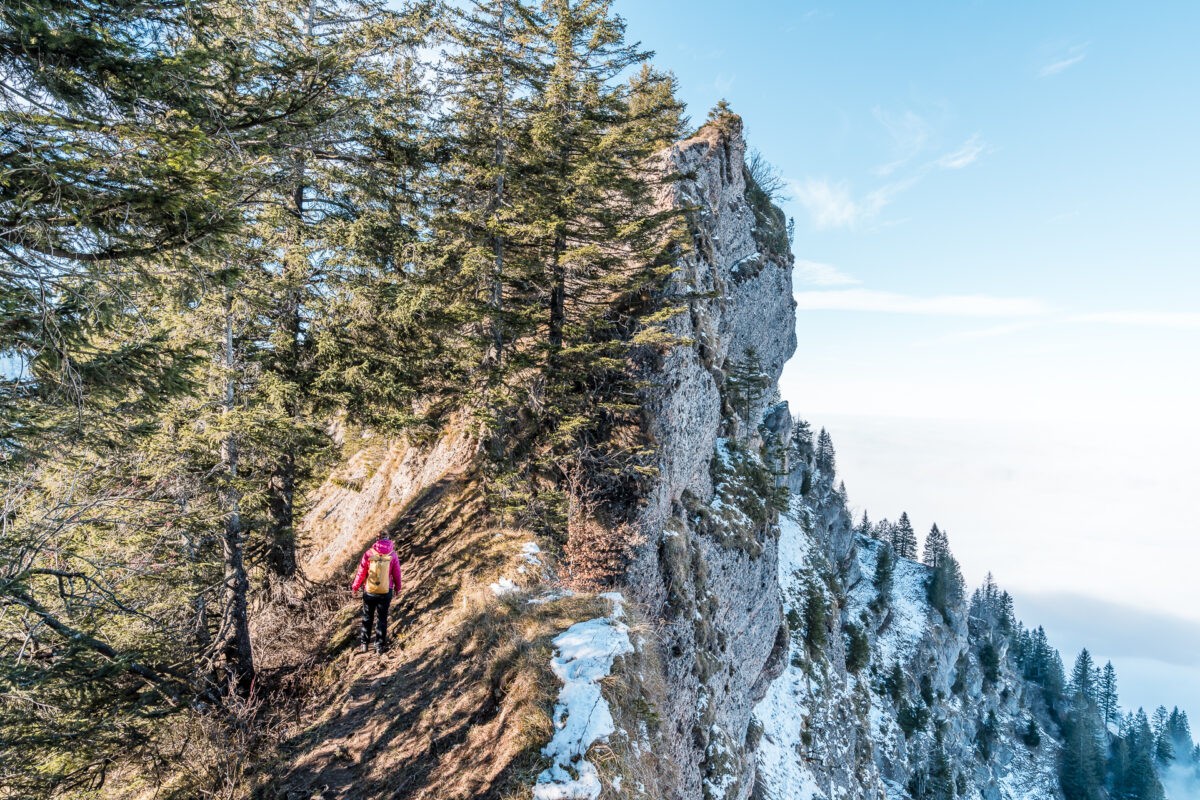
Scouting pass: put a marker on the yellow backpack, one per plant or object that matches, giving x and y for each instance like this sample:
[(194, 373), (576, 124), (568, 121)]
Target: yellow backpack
[(379, 573)]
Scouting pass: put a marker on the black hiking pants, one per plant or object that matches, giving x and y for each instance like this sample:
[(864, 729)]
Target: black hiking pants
[(375, 609)]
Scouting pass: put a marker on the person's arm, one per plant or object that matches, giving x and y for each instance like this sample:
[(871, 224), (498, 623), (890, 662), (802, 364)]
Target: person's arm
[(362, 573), (396, 572)]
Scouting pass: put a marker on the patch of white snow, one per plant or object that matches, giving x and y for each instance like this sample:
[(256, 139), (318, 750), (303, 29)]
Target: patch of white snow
[(586, 652)]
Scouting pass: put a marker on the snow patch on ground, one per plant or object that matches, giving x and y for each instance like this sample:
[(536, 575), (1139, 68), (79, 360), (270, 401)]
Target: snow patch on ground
[(550, 596), (909, 612), (502, 587), (529, 552), (783, 710), (586, 652), (781, 713)]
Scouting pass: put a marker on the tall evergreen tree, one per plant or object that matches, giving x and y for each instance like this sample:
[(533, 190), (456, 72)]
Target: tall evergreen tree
[(826, 458), (603, 252), (904, 539), (1164, 747), (746, 384), (1109, 707), (937, 546), (168, 353), (1179, 730), (1081, 762), (885, 567)]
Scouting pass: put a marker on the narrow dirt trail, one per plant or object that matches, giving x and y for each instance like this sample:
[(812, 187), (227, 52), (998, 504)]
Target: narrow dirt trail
[(430, 718)]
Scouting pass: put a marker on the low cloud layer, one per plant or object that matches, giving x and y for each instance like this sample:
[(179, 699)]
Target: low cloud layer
[(1116, 629), (896, 303)]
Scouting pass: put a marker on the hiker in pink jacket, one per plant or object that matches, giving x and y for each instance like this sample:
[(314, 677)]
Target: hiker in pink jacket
[(380, 571)]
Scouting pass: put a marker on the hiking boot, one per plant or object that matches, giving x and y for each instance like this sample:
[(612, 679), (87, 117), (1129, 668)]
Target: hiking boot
[(380, 648), (364, 647)]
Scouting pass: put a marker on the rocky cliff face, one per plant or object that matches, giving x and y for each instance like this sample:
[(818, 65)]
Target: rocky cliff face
[(708, 568), (759, 704)]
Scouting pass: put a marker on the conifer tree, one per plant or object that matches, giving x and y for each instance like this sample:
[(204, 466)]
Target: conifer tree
[(1164, 749), (945, 585), (816, 609), (187, 283), (602, 254), (885, 567), (1081, 763), (937, 546), (1083, 686), (940, 781), (1032, 735), (1109, 708), (487, 250), (745, 384), (826, 459), (904, 539), (801, 443), (1179, 731), (1133, 771)]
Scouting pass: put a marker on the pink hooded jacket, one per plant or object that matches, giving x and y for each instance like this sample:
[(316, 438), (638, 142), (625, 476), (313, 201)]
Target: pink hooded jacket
[(382, 547)]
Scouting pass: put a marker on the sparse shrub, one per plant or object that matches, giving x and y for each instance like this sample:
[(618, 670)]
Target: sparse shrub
[(989, 659), (912, 717), (1032, 736), (816, 610), (596, 552), (927, 690), (895, 683), (858, 649), (960, 673), (985, 737), (754, 733), (770, 223)]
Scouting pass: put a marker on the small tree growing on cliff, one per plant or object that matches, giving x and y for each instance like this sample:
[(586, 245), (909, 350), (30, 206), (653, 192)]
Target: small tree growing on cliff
[(936, 546), (858, 648), (885, 567), (904, 539), (1109, 708), (826, 458), (816, 610), (745, 384)]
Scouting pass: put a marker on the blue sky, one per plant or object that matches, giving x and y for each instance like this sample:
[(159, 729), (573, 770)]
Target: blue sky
[(998, 277)]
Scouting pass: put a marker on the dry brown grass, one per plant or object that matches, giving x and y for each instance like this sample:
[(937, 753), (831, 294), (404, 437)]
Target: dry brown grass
[(637, 695), (460, 708), (462, 705)]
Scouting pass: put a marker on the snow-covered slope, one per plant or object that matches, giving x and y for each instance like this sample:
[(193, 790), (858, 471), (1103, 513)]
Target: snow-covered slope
[(833, 730)]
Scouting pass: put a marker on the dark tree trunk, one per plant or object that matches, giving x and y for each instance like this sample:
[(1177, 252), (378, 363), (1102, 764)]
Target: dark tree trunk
[(235, 654)]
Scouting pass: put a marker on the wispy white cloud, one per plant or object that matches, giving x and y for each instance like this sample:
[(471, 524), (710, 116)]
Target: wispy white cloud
[(829, 204), (963, 156), (1072, 57), (818, 274), (910, 134), (941, 305), (723, 83), (1175, 320), (832, 205), (993, 331)]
